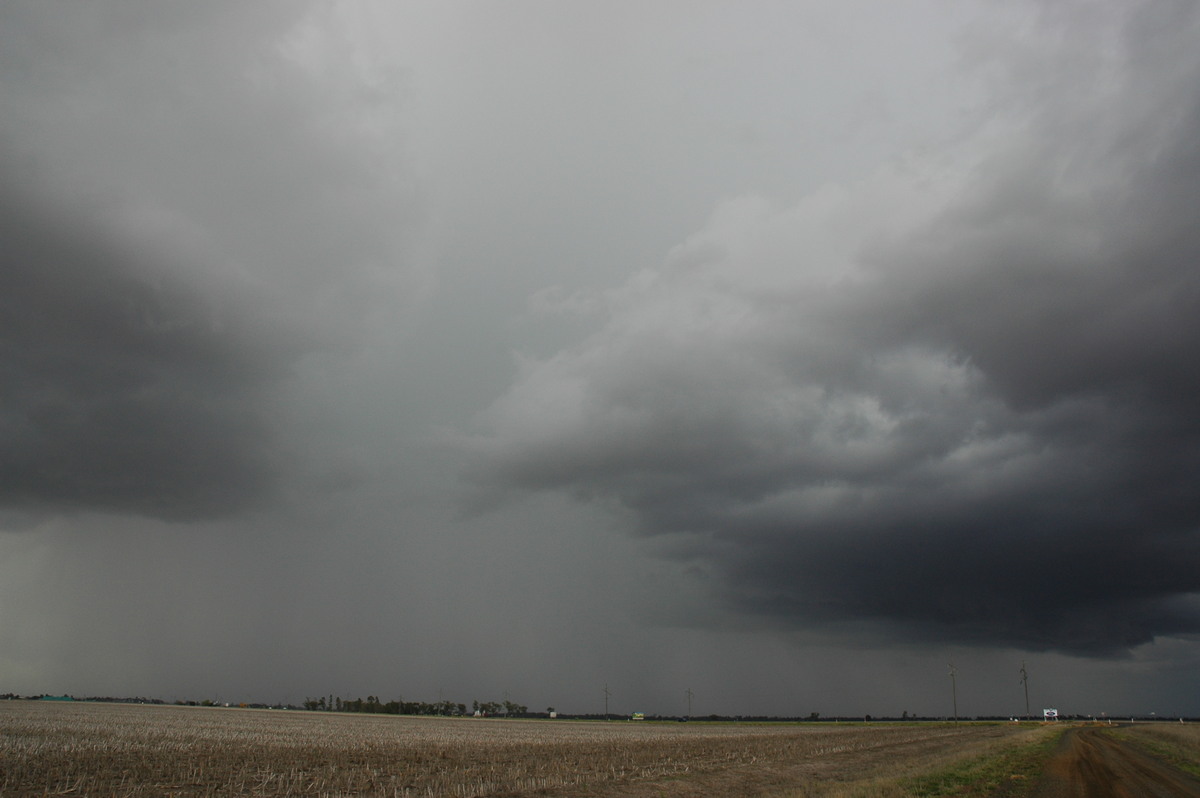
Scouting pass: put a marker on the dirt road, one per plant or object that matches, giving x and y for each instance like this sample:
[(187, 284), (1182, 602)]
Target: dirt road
[(1092, 764)]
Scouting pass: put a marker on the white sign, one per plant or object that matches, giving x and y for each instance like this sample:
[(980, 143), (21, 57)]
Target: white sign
[(1050, 714)]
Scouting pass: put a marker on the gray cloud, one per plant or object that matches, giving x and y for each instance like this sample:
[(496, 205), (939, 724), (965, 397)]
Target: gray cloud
[(954, 401), (927, 344), (196, 203), (126, 387)]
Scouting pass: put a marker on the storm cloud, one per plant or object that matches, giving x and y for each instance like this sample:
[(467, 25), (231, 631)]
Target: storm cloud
[(125, 388), (954, 401), (780, 353), (164, 272)]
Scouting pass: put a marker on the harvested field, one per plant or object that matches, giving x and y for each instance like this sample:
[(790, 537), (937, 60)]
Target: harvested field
[(113, 749)]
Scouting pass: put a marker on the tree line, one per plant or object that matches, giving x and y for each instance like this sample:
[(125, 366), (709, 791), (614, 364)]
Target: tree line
[(372, 704)]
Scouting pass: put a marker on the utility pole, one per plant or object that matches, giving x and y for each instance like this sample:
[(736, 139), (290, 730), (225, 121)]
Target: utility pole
[(954, 690), (1025, 681), (689, 694), (606, 695)]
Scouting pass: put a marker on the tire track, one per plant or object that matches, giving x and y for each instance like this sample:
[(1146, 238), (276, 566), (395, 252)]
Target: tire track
[(1092, 764)]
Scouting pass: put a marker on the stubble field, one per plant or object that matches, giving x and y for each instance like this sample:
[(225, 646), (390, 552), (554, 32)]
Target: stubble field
[(49, 748)]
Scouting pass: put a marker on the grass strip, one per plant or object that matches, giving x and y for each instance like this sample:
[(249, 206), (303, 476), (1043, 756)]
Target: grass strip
[(1179, 749), (1010, 771)]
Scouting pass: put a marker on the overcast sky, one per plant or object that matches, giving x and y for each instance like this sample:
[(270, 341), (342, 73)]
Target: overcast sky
[(786, 352)]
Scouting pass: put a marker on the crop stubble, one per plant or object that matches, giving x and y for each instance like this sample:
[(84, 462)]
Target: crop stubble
[(113, 749)]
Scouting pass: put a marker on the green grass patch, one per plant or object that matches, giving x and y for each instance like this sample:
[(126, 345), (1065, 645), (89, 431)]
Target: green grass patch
[(1013, 769), (1176, 745)]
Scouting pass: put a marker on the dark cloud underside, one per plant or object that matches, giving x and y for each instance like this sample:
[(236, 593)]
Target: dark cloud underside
[(192, 201), (983, 429), (123, 386)]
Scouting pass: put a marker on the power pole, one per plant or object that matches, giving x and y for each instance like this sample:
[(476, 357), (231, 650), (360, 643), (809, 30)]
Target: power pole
[(606, 695), (954, 690), (689, 694), (1025, 681)]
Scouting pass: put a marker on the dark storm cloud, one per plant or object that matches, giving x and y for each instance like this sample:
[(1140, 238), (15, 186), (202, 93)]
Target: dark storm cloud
[(193, 201), (957, 404), (125, 386)]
